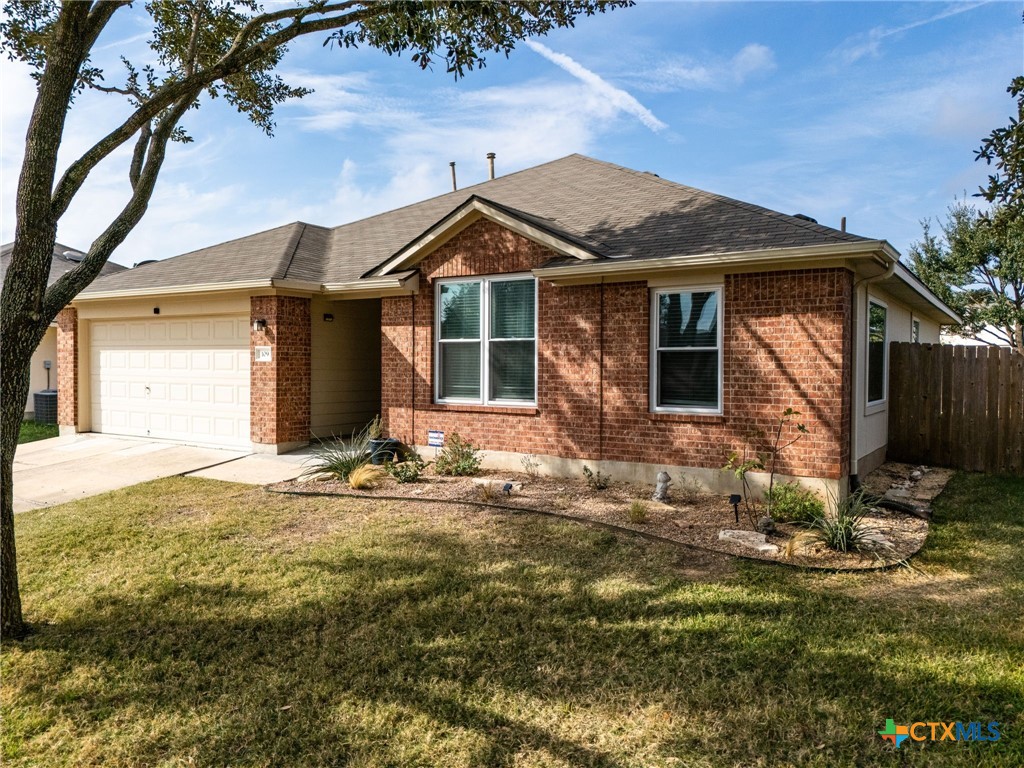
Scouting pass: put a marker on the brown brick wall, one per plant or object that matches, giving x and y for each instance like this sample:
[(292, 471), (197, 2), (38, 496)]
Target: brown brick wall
[(786, 344), (67, 367), (280, 390)]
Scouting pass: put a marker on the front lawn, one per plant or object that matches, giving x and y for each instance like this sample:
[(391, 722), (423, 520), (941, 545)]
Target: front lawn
[(32, 431), (189, 622)]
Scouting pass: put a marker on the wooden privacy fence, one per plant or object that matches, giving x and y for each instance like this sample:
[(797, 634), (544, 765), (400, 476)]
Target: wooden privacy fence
[(960, 407)]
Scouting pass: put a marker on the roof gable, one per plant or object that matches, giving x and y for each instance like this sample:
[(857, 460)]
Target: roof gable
[(475, 208)]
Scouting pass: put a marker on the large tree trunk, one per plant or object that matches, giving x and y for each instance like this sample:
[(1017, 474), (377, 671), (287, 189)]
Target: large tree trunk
[(22, 315)]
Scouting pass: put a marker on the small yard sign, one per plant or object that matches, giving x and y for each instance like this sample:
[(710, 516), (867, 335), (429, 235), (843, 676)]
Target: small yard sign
[(262, 354), (435, 438)]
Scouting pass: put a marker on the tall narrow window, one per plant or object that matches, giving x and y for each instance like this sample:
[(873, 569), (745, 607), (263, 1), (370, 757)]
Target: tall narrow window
[(687, 350), (877, 338), (459, 341), (487, 341), (512, 340)]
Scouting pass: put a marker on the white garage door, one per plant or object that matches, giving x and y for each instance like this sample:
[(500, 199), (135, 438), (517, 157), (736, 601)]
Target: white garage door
[(177, 379)]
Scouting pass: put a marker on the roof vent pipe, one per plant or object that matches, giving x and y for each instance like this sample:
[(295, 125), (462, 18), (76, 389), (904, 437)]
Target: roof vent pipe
[(490, 164), (455, 186), (842, 224)]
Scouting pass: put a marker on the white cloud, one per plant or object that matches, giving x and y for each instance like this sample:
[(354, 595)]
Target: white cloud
[(618, 98), (869, 44), (683, 72)]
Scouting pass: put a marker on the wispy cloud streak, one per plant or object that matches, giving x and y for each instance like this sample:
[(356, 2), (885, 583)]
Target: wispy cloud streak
[(618, 98), (859, 46)]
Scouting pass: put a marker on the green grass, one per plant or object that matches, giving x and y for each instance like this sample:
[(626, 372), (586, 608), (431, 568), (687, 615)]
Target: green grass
[(31, 431), (188, 622)]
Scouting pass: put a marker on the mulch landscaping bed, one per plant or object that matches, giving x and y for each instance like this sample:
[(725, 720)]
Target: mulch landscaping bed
[(689, 519)]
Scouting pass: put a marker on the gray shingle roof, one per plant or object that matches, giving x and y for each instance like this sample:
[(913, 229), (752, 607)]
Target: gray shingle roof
[(616, 211), (59, 264)]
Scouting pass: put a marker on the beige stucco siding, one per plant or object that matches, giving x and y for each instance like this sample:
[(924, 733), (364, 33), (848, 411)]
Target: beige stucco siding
[(345, 392), (47, 350)]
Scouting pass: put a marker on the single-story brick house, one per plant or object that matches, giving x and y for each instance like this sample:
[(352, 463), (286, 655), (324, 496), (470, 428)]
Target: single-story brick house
[(577, 311), (43, 376)]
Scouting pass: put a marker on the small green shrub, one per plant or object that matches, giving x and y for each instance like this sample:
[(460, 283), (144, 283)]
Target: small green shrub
[(637, 511), (596, 480), (792, 503), (458, 458), (408, 471), (339, 458), (846, 530), (530, 465), (689, 490)]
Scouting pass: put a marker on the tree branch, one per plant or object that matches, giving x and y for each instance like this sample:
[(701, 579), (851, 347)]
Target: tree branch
[(76, 174), (68, 286), (139, 155)]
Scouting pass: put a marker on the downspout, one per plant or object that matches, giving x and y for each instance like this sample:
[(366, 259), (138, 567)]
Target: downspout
[(855, 349), (412, 437), (600, 382)]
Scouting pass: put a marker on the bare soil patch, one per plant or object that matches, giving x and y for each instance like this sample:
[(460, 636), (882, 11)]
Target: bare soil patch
[(689, 519)]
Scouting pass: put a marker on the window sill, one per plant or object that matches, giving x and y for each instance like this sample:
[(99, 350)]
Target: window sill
[(686, 418), (511, 410), (873, 408)]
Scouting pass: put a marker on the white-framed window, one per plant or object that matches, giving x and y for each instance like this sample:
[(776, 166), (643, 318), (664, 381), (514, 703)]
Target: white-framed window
[(686, 350), (915, 330), (485, 349), (878, 351)]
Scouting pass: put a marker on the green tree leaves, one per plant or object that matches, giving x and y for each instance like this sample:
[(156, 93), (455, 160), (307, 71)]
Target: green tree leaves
[(976, 265)]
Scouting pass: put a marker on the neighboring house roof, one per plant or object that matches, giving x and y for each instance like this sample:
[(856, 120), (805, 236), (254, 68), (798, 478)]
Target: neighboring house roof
[(613, 212), (59, 264)]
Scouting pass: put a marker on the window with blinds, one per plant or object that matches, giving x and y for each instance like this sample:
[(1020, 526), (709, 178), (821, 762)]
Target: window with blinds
[(686, 350), (486, 349)]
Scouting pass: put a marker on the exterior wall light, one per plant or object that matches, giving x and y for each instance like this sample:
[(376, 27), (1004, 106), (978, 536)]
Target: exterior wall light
[(259, 325)]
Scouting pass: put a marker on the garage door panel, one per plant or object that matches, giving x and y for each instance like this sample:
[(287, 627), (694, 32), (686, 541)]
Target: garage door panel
[(181, 379)]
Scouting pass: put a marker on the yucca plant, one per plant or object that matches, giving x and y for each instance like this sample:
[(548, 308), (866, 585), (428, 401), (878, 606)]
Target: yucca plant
[(337, 459), (844, 531)]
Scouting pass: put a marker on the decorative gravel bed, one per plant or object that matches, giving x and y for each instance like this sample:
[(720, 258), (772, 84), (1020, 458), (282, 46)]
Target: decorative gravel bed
[(690, 519)]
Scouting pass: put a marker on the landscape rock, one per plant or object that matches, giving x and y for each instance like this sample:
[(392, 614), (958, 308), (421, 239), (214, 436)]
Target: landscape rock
[(897, 494), (766, 525), (749, 539), (916, 475)]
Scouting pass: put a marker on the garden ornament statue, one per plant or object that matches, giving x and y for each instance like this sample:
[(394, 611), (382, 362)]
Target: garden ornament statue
[(663, 481)]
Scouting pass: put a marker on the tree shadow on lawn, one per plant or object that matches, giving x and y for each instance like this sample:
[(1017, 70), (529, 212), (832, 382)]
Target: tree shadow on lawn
[(425, 646)]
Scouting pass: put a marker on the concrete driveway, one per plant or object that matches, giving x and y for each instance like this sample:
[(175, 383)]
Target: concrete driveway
[(73, 467)]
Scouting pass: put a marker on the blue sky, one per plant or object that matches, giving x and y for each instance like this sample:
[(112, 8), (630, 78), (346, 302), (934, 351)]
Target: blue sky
[(866, 110)]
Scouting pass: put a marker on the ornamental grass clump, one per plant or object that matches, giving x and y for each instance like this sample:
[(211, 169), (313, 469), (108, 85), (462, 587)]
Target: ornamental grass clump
[(365, 477), (637, 511)]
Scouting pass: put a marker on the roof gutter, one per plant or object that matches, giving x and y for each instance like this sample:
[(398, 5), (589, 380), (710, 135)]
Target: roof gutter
[(241, 285), (374, 287), (774, 256), (914, 282)]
